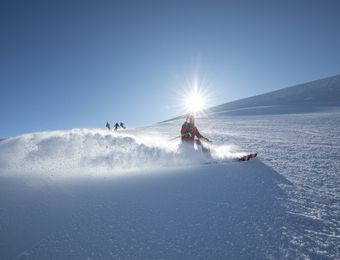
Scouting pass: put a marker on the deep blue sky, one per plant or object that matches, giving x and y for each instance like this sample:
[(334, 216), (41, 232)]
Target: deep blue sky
[(67, 64)]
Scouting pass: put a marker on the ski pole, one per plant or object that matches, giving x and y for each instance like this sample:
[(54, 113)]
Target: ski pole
[(207, 140), (174, 138)]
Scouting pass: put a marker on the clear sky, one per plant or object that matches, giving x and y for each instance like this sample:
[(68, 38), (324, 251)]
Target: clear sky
[(70, 64)]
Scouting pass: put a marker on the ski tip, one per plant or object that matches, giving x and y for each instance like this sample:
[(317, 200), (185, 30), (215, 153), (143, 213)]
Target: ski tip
[(244, 158), (248, 156)]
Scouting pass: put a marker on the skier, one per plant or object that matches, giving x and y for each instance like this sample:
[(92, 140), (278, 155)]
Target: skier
[(189, 131), (116, 126), (122, 125), (108, 125)]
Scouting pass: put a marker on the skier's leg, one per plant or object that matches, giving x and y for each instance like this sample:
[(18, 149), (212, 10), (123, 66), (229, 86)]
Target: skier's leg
[(204, 148)]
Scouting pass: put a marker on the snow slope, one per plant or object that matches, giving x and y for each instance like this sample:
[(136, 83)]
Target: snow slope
[(313, 96), (316, 96), (210, 211), (90, 193)]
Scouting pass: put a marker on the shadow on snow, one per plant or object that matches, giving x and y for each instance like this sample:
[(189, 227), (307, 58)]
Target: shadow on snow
[(233, 210)]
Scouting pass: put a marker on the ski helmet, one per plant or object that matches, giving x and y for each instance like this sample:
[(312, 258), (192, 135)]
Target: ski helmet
[(190, 118)]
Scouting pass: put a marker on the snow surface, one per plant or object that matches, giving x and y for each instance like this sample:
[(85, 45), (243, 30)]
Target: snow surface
[(313, 96), (94, 194)]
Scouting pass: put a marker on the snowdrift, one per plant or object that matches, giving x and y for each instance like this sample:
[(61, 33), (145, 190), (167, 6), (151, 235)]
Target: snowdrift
[(97, 151)]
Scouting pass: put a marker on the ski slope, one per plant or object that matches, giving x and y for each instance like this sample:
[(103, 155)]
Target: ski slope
[(95, 194), (315, 96)]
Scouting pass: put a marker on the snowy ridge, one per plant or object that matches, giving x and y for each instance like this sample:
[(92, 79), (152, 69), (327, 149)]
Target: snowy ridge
[(97, 151), (317, 96), (309, 97)]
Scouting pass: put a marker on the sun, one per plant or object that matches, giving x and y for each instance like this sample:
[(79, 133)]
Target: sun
[(195, 102), (194, 97)]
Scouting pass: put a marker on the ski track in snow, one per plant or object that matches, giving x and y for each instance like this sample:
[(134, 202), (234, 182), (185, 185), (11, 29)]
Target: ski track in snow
[(303, 148)]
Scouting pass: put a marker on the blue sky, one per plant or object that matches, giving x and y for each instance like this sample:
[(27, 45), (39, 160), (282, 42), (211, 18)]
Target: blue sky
[(70, 64)]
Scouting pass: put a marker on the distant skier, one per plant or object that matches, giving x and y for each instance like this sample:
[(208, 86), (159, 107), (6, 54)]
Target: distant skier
[(108, 125), (122, 125), (116, 126), (189, 131)]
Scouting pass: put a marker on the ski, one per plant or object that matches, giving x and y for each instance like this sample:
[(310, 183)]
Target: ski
[(247, 157)]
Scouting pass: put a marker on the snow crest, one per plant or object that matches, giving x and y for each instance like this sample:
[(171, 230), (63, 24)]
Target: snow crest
[(94, 150)]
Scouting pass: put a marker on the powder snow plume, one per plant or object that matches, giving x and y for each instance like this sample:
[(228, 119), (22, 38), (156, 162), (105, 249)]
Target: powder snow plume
[(92, 150)]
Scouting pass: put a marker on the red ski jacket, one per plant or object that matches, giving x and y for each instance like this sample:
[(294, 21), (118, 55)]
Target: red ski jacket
[(189, 131)]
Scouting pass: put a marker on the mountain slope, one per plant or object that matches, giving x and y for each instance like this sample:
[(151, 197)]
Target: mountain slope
[(308, 97), (68, 194), (92, 193)]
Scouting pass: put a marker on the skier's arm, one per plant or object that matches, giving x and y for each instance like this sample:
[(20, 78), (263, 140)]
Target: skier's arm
[(198, 134)]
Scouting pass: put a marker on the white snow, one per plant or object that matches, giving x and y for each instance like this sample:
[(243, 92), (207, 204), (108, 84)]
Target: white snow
[(94, 194), (80, 152)]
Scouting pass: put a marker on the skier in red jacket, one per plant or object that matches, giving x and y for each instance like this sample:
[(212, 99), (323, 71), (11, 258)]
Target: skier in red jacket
[(189, 131)]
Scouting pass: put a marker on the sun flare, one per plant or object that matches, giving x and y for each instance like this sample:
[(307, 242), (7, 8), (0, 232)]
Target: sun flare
[(195, 96), (195, 102)]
